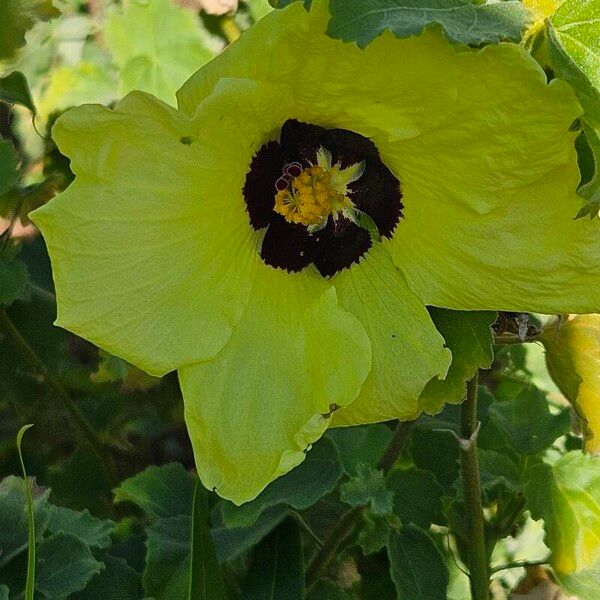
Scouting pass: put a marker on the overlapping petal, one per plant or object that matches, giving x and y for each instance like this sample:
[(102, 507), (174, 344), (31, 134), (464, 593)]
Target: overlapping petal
[(151, 249), (407, 349), (334, 84), (295, 358), (490, 196)]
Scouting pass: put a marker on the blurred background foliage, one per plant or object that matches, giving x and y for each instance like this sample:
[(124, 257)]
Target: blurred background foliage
[(110, 464)]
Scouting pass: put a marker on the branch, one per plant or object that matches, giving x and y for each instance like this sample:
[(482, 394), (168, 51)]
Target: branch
[(478, 564)]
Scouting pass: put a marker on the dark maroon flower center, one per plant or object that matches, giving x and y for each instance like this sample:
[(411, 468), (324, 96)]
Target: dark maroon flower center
[(340, 241)]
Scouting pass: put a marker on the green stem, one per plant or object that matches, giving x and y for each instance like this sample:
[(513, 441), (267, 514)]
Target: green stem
[(346, 526), (343, 529), (517, 564), (57, 391), (478, 564), (508, 339)]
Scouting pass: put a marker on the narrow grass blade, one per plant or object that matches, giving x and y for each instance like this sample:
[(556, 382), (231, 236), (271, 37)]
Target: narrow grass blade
[(30, 584)]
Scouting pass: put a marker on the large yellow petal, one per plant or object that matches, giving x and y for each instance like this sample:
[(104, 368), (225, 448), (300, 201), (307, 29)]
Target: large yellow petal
[(295, 357)]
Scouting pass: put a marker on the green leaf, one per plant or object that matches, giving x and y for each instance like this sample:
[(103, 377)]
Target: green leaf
[(468, 335), (325, 589), (18, 16), (31, 537), (166, 575), (526, 421), (574, 51), (91, 531), (206, 581), (436, 451), (567, 496), (64, 565), (360, 444), (80, 482), (14, 518), (368, 488), (276, 570), (3, 592), (417, 497), (156, 45), (160, 492), (300, 488), (9, 162), (417, 566), (497, 470), (230, 542), (373, 535), (14, 277), (591, 189), (14, 89), (463, 21), (117, 581), (584, 585)]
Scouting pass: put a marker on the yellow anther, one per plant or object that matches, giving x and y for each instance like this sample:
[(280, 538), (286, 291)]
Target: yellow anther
[(309, 198)]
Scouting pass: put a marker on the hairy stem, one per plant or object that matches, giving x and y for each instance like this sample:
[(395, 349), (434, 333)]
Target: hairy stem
[(346, 526), (57, 391), (477, 559)]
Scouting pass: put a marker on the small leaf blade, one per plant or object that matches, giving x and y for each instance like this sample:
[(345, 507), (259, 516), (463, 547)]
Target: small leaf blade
[(206, 580)]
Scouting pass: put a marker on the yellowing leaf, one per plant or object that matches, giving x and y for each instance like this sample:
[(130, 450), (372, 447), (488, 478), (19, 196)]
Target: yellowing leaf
[(573, 359), (567, 496)]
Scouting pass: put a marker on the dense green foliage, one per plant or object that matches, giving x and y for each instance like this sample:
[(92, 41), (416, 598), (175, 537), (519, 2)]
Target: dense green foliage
[(375, 511)]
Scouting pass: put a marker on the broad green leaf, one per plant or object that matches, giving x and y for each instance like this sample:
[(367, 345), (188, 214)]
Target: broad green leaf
[(574, 37), (206, 581), (325, 589), (31, 537), (417, 497), (575, 49), (3, 592), (14, 277), (160, 492), (116, 581), (526, 421), (64, 565), (14, 89), (499, 474), (277, 567), (17, 17), (300, 488), (463, 21), (373, 535), (156, 46), (469, 337), (360, 444), (435, 451), (9, 161), (567, 496), (367, 488), (14, 519), (230, 542), (167, 572), (417, 566), (91, 531), (80, 482)]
